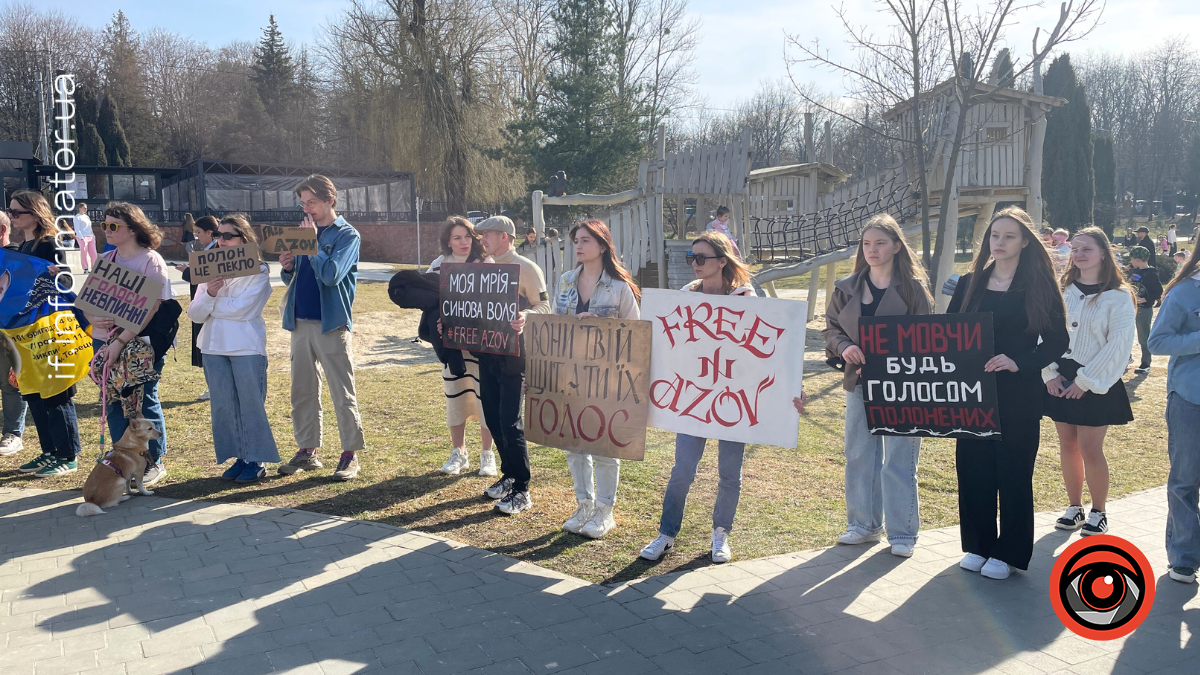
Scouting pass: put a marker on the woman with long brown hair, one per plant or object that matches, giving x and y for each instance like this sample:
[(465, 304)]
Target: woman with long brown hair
[(134, 239), (1013, 278), (881, 471), (598, 286), (54, 418), (460, 244), (1176, 333), (1084, 387)]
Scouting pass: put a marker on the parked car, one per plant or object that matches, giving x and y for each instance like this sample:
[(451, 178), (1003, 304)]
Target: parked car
[(476, 216)]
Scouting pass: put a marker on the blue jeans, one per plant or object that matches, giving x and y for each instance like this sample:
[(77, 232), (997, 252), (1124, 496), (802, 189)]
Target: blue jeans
[(151, 410), (881, 478), (239, 415), (688, 451), (14, 405), (57, 425), (1183, 482)]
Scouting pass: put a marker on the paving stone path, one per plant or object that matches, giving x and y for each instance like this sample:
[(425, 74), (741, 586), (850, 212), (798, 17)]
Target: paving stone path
[(164, 586)]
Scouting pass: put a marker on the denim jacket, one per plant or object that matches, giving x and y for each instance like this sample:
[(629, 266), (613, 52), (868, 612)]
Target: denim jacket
[(612, 298), (1176, 333), (336, 268)]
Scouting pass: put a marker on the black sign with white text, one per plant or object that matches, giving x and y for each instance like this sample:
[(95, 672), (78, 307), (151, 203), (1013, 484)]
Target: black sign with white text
[(924, 376), (478, 302)]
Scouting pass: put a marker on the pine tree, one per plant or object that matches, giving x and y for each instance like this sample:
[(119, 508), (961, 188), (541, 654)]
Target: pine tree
[(91, 146), (1003, 67), (1067, 177), (274, 74), (124, 83), (1104, 165), (112, 134)]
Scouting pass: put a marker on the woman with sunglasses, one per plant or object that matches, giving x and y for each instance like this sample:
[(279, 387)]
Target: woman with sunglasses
[(234, 343), (203, 231), (599, 286), (881, 472), (54, 418), (719, 271), (134, 239)]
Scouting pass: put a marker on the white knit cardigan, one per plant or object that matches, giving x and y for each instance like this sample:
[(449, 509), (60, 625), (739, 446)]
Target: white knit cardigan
[(1102, 331)]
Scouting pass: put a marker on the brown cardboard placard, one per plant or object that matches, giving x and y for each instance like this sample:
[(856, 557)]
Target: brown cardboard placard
[(229, 262), (120, 294), (298, 240), (587, 384)]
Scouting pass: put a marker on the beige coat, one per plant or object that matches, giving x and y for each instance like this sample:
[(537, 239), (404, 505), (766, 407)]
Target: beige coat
[(845, 309)]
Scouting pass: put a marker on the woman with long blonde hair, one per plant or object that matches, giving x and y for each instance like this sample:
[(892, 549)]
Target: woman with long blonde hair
[(1084, 387), (881, 472), (599, 286)]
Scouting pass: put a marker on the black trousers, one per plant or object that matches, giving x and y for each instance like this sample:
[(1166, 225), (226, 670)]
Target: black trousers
[(1005, 468), (500, 395), (56, 424)]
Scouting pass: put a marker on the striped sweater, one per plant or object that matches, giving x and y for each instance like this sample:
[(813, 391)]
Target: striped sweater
[(1102, 332)]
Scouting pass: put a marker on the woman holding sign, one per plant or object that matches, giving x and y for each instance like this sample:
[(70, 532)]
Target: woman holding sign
[(1012, 277), (460, 244), (881, 471), (599, 286), (134, 239), (1086, 393), (234, 343), (203, 234), (719, 271), (54, 418)]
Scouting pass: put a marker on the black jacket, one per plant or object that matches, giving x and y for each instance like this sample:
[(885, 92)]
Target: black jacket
[(1147, 285), (411, 289)]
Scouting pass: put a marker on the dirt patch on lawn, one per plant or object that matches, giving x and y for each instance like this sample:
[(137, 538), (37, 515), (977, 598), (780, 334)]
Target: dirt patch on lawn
[(381, 340)]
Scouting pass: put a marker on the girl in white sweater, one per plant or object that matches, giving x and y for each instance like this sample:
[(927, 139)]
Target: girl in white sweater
[(1086, 393)]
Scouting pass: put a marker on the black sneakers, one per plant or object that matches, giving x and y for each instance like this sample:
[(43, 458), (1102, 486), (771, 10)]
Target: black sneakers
[(1072, 520), (1097, 523)]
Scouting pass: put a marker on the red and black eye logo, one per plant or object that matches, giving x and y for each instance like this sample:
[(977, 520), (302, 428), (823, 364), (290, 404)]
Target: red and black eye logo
[(1102, 587)]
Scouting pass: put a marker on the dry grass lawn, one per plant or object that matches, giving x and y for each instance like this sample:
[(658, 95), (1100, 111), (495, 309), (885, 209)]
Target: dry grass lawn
[(791, 499)]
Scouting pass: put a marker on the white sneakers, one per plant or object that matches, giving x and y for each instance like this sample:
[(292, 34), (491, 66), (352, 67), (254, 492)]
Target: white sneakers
[(457, 463), (11, 444), (852, 538), (902, 550), (720, 546), (600, 523), (487, 463), (580, 518), (990, 567), (655, 549)]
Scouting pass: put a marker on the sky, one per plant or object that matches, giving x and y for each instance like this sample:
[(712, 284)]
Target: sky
[(742, 43)]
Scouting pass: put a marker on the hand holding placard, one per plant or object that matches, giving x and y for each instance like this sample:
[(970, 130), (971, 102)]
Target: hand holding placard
[(120, 294), (295, 240), (228, 262)]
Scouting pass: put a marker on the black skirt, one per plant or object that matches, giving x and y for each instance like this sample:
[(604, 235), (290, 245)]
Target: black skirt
[(1092, 410)]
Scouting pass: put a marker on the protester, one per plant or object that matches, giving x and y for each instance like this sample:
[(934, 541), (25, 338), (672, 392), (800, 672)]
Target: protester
[(1086, 393), (234, 343), (1028, 320), (502, 378), (881, 471), (1172, 238), (14, 405), (317, 311), (598, 286), (84, 236), (1176, 333), (529, 243), (134, 239), (460, 244), (203, 239), (1143, 239), (718, 272), (1148, 290), (53, 417), (1061, 253)]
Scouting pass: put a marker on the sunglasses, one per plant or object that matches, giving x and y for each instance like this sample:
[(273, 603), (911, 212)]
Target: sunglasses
[(111, 227), (226, 235), (17, 213), (700, 258)]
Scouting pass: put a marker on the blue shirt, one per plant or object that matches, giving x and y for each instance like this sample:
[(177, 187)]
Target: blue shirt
[(308, 294), (335, 271), (1176, 333)]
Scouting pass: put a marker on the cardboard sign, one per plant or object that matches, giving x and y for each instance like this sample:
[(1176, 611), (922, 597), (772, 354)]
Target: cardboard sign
[(298, 240), (120, 294), (924, 376), (725, 367), (587, 384), (229, 262), (478, 300)]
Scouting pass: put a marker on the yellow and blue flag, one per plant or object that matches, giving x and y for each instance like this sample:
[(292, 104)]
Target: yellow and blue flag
[(49, 340)]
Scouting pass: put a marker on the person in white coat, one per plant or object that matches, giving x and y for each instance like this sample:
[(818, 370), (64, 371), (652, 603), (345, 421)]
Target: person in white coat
[(234, 343), (1084, 387)]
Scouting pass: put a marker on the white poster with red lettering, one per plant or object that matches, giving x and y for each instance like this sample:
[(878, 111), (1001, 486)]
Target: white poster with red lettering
[(725, 367)]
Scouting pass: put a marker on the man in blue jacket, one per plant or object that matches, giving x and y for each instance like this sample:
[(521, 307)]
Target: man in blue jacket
[(317, 311)]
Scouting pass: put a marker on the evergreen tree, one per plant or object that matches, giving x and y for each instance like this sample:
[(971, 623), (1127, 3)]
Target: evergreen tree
[(112, 134), (274, 74), (91, 146), (1191, 177), (1003, 67), (1067, 178), (1104, 166), (124, 83)]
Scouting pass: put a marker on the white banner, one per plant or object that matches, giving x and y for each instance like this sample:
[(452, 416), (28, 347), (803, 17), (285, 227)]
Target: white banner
[(725, 367)]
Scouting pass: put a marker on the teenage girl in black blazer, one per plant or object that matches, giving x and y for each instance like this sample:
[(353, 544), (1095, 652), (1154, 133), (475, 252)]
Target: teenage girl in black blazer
[(1013, 278)]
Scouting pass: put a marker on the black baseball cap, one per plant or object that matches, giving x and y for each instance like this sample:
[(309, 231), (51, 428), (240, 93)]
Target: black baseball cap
[(1144, 229)]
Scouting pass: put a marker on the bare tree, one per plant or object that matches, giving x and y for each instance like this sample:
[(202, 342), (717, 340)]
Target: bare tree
[(524, 26), (657, 43)]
